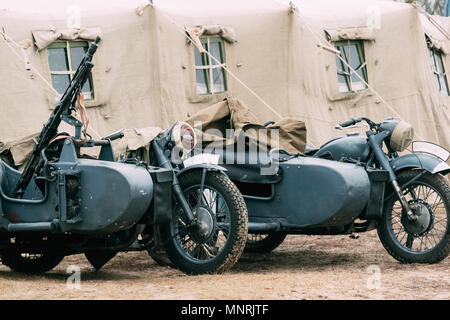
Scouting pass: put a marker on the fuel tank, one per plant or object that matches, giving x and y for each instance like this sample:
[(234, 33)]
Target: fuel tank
[(313, 192), (352, 147)]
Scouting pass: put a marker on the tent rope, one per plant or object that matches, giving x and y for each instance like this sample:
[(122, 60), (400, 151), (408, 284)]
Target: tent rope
[(324, 44), (438, 26), (8, 42), (189, 37)]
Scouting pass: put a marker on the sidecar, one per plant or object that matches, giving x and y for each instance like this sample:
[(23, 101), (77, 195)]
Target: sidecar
[(78, 196), (304, 195)]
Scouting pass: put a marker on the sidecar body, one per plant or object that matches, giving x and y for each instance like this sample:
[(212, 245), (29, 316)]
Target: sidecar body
[(79, 196), (305, 194)]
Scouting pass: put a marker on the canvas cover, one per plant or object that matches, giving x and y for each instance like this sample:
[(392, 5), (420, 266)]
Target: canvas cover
[(144, 74), (212, 123)]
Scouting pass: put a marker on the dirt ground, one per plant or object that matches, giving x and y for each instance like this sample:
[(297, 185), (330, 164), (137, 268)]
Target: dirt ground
[(303, 267)]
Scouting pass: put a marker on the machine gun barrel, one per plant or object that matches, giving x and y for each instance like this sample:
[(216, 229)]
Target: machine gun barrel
[(50, 129)]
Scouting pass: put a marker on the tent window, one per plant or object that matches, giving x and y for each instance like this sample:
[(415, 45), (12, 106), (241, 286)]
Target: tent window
[(352, 51), (210, 75), (440, 75), (63, 59)]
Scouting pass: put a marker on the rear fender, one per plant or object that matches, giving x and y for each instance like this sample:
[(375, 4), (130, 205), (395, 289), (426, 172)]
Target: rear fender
[(427, 162)]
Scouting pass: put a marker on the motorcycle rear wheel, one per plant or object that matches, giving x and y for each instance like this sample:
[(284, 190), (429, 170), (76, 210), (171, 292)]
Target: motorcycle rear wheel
[(224, 215), (426, 240), (264, 243)]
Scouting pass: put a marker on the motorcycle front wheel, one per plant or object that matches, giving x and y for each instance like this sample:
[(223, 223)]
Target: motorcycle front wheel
[(427, 238), (217, 242)]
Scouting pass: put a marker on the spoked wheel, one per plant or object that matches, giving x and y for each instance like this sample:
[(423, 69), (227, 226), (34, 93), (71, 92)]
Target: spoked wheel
[(218, 240), (264, 243), (30, 263), (426, 238)]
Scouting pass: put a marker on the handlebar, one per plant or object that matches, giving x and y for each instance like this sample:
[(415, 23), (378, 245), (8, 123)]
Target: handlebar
[(354, 121), (350, 122)]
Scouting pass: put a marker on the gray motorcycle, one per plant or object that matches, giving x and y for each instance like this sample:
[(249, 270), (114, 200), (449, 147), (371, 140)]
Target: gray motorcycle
[(351, 184)]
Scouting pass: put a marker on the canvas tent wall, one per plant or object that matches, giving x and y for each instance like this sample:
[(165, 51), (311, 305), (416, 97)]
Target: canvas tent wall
[(145, 75)]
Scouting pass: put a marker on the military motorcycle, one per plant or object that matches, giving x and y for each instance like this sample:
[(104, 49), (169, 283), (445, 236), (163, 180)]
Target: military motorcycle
[(351, 184), (64, 203)]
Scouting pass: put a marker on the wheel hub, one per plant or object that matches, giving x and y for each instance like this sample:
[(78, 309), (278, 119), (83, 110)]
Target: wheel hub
[(423, 212), (205, 222)]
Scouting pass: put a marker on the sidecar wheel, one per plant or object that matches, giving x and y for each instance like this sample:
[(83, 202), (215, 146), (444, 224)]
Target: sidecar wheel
[(31, 263), (427, 239), (218, 242), (264, 243)]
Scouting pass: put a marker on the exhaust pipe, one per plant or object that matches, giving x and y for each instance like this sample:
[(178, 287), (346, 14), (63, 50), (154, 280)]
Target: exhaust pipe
[(257, 227)]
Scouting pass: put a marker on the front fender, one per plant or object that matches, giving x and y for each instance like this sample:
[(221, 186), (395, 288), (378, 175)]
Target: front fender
[(424, 161), (207, 166)]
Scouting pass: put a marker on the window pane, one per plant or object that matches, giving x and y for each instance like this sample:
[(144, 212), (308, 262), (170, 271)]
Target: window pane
[(60, 82), (198, 57), (216, 51), (339, 65), (77, 54), (57, 59), (439, 72), (354, 60), (343, 87), (201, 59), (440, 65), (446, 89), (357, 84), (438, 82), (218, 80), (352, 53), (343, 79), (202, 87)]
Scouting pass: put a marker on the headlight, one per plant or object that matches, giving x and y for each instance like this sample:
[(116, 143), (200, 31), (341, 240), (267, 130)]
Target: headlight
[(184, 137), (402, 136)]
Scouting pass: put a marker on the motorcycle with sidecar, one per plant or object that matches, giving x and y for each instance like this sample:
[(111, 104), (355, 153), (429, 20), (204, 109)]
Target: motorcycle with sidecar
[(63, 203), (351, 184)]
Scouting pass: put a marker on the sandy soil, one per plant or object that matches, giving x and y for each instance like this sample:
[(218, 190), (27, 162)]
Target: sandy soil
[(303, 267)]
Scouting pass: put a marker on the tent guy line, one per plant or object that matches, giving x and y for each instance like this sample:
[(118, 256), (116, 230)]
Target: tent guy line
[(323, 44), (438, 26), (9, 40), (201, 49)]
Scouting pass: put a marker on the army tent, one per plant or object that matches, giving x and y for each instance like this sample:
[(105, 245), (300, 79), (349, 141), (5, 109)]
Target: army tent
[(147, 73)]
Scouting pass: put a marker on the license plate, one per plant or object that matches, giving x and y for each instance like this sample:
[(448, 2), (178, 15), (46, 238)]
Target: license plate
[(202, 159)]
